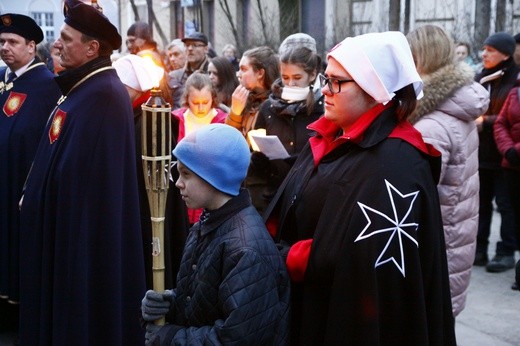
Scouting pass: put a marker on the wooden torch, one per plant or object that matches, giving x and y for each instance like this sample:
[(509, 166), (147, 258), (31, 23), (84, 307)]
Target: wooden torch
[(156, 154)]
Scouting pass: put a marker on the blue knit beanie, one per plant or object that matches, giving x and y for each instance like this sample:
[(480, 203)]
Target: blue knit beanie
[(217, 153), (503, 42)]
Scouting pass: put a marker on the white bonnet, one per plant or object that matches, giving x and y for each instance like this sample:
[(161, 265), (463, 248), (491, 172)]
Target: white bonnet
[(380, 63), (138, 73)]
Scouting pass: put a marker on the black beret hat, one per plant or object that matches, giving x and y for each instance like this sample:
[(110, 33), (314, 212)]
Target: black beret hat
[(517, 38), (503, 42), (196, 36), (21, 25), (89, 21)]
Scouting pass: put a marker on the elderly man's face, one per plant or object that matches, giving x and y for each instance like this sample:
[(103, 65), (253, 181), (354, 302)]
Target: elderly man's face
[(15, 51), (72, 51), (196, 52), (177, 57)]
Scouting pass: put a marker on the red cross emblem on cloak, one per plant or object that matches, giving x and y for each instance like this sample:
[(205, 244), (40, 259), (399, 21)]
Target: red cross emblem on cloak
[(13, 103), (56, 125)]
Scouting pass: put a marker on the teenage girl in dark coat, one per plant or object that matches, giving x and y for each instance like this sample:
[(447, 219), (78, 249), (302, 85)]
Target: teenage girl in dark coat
[(294, 103)]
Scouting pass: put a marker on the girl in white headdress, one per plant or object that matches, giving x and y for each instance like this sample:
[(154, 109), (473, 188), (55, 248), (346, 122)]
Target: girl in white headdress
[(358, 215)]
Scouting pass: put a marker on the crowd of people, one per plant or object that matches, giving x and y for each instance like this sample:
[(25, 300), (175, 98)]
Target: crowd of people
[(362, 227)]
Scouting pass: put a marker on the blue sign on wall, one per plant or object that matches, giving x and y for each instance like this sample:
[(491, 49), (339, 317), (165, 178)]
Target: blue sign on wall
[(189, 3), (190, 26)]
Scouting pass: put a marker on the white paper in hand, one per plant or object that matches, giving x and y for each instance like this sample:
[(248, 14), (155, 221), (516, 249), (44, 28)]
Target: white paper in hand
[(269, 145)]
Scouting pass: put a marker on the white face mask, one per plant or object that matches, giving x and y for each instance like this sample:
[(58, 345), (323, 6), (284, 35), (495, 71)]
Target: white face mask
[(294, 94)]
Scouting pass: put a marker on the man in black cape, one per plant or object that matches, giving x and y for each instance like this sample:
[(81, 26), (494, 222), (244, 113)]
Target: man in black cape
[(82, 272), (28, 94)]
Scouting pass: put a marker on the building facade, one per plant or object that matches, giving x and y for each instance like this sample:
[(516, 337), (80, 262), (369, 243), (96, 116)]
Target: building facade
[(249, 23)]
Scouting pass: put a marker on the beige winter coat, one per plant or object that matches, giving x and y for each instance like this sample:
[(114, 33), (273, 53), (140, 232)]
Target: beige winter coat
[(445, 117)]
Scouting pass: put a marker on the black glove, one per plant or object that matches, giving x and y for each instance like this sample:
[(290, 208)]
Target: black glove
[(155, 305), (151, 336), (512, 156)]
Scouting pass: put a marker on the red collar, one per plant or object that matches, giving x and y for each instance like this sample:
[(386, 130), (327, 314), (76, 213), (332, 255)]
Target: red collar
[(141, 99), (327, 138)]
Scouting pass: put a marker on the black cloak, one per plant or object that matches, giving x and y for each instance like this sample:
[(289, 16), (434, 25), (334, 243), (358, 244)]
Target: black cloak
[(82, 271), (25, 108), (376, 272)]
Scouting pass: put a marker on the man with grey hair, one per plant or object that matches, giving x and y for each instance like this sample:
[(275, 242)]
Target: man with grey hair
[(176, 54), (79, 218)]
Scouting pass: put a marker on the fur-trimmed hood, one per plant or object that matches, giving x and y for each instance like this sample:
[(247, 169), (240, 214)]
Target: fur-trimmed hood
[(445, 90)]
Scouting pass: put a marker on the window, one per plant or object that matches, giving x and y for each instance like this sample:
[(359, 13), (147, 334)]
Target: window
[(46, 21)]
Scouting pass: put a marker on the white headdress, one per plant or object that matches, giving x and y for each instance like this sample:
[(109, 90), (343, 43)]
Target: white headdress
[(380, 63), (138, 73)]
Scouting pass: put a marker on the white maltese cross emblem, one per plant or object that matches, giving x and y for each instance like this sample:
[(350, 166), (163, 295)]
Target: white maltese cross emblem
[(399, 228)]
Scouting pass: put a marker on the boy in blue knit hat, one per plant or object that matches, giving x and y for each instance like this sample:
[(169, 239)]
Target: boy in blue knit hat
[(232, 285)]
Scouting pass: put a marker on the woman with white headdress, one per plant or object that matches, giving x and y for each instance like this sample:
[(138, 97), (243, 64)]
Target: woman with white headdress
[(358, 214)]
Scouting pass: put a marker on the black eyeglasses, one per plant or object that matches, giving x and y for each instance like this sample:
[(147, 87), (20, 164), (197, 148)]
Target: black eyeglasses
[(334, 84)]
